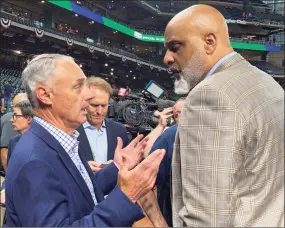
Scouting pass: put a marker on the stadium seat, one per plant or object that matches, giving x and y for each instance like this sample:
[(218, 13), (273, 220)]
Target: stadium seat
[(267, 67), (13, 77), (234, 12)]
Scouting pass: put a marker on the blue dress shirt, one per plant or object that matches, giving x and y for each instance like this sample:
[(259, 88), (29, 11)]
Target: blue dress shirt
[(98, 141), (219, 63)]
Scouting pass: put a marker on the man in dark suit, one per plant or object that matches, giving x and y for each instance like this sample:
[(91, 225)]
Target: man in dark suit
[(48, 182), (98, 135)]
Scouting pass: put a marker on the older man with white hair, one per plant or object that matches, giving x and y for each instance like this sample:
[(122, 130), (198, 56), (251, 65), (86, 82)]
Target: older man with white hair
[(48, 182)]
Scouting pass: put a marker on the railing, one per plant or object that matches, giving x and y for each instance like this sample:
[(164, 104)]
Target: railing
[(108, 48), (73, 37)]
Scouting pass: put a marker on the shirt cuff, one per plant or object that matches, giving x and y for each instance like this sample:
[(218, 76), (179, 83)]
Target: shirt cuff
[(117, 166), (3, 190)]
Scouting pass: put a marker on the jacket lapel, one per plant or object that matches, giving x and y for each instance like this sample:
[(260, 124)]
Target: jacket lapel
[(110, 140), (98, 194), (66, 160), (84, 144)]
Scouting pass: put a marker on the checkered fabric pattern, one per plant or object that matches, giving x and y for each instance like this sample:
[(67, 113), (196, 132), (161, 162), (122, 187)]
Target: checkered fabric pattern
[(70, 145), (228, 159)]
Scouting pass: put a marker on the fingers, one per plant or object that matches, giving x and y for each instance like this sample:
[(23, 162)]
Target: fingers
[(95, 166), (167, 110), (136, 140), (158, 160), (152, 171), (167, 116), (119, 144), (124, 165), (96, 169), (141, 147), (93, 163), (143, 142), (152, 161)]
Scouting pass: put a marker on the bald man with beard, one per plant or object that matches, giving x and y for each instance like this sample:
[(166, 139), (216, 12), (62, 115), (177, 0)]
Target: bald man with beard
[(228, 161)]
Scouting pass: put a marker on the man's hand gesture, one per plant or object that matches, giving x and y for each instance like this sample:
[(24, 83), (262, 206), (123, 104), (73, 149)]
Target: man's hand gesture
[(137, 182), (132, 154)]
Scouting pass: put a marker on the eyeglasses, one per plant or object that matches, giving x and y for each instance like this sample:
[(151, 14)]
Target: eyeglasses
[(15, 116)]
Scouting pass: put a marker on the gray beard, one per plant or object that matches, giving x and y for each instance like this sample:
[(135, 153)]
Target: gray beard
[(181, 86), (191, 75)]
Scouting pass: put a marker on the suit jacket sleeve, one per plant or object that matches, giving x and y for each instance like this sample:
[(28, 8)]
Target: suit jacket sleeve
[(107, 177), (10, 149), (212, 136), (12, 143), (40, 200)]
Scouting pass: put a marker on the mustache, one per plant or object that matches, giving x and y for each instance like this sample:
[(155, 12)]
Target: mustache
[(173, 70)]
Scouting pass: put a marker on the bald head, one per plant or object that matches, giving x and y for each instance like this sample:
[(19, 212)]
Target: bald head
[(202, 20), (19, 98), (196, 39)]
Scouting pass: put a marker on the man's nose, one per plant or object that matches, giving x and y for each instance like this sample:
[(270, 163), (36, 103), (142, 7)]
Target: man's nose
[(168, 58), (99, 109)]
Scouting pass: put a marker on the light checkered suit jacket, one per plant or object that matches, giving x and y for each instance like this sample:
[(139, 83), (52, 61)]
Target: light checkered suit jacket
[(228, 161)]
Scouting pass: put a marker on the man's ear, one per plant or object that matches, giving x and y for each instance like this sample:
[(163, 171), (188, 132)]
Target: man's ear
[(43, 93), (210, 43), (30, 119)]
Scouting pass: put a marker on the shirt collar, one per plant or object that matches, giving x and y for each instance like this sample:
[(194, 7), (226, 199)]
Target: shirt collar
[(66, 141), (88, 125), (219, 63)]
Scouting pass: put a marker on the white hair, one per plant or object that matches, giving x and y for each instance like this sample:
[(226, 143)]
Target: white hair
[(38, 71), (181, 86), (191, 75)]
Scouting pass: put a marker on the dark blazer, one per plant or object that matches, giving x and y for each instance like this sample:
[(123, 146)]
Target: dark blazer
[(12, 144), (44, 188), (114, 130), (165, 141)]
